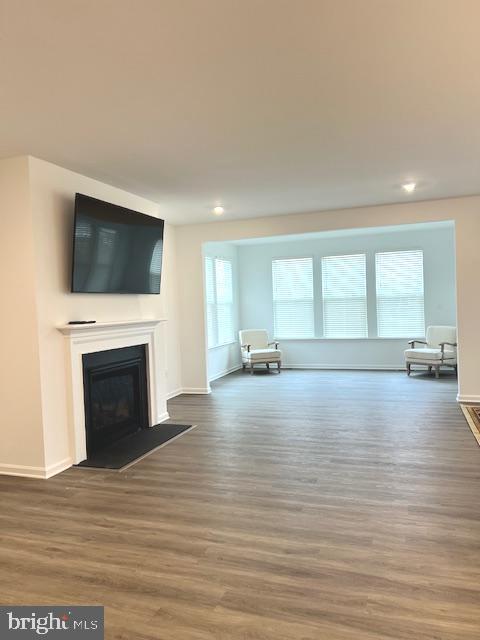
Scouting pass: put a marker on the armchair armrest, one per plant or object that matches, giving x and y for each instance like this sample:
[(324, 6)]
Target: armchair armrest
[(274, 343), (246, 346), (412, 343), (451, 344)]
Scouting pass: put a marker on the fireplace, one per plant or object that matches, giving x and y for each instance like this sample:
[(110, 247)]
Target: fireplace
[(115, 394), (89, 339)]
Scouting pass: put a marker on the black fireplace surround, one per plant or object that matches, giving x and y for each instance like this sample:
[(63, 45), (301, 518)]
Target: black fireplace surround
[(116, 395)]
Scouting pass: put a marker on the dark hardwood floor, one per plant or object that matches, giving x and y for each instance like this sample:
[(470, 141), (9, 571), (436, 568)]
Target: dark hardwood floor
[(308, 505)]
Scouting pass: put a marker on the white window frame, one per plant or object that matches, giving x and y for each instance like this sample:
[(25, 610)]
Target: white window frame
[(213, 307)]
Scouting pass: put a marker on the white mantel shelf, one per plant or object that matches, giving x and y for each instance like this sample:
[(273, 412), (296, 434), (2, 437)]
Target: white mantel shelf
[(79, 329)]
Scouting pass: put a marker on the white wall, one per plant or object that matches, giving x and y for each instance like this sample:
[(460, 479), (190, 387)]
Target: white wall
[(465, 212), (21, 429), (52, 191), (256, 308), (36, 220), (225, 358)]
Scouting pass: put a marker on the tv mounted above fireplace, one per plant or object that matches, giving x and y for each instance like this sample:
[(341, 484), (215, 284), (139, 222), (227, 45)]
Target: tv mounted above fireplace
[(115, 250)]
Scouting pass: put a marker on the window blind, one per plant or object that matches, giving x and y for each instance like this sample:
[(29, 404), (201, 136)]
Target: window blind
[(292, 280), (400, 299), (219, 299), (156, 266), (210, 299), (344, 286)]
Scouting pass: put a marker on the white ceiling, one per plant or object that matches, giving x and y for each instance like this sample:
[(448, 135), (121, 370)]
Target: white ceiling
[(265, 106)]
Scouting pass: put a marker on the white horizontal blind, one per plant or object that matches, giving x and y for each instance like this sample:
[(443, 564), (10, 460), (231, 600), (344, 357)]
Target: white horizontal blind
[(292, 280), (210, 300), (219, 299), (156, 266), (400, 301), (344, 286), (224, 288)]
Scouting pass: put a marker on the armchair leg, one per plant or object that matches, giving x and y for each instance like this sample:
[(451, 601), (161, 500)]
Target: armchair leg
[(279, 364), (409, 369), (429, 368), (251, 368), (437, 371), (268, 365)]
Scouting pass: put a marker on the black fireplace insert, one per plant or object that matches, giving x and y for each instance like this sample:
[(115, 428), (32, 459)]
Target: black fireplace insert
[(116, 395)]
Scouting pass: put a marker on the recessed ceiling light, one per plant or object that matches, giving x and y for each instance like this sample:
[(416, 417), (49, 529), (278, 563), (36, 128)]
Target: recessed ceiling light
[(218, 211), (409, 187)]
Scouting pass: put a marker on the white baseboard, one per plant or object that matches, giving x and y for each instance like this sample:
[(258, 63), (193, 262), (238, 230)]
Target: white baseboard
[(172, 394), (58, 467), (22, 470), (42, 473), (162, 417), (468, 399), (192, 390), (225, 372), (347, 367)]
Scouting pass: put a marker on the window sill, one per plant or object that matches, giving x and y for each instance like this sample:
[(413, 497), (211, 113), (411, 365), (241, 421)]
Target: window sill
[(224, 344), (405, 339)]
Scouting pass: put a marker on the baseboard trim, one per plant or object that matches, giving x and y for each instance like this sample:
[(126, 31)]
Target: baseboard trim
[(162, 417), (225, 372), (58, 467), (191, 390), (24, 471), (41, 473), (347, 367), (174, 393), (468, 399)]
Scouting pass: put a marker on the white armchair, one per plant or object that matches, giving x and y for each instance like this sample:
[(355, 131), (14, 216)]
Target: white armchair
[(256, 349), (440, 350)]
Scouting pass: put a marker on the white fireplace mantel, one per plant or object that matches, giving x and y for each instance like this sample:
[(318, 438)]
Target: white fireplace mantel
[(77, 330), (101, 336)]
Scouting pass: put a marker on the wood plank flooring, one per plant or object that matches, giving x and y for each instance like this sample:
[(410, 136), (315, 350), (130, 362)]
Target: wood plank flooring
[(308, 505)]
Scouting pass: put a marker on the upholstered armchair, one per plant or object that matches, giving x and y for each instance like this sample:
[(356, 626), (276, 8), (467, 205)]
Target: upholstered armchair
[(439, 350), (256, 349)]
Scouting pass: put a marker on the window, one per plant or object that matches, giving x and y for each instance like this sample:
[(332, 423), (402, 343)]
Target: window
[(219, 293), (344, 286), (156, 266), (292, 280), (400, 306)]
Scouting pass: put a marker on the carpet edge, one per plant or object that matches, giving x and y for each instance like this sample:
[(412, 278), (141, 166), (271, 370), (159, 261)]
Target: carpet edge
[(473, 427)]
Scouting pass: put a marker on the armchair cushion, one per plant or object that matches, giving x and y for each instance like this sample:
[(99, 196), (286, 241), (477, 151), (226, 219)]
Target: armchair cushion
[(428, 354), (261, 355)]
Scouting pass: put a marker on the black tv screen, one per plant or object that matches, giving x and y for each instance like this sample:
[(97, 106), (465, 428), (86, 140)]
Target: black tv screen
[(115, 250)]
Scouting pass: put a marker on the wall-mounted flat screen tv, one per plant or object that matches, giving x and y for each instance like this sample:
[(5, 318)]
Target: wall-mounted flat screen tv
[(115, 250)]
